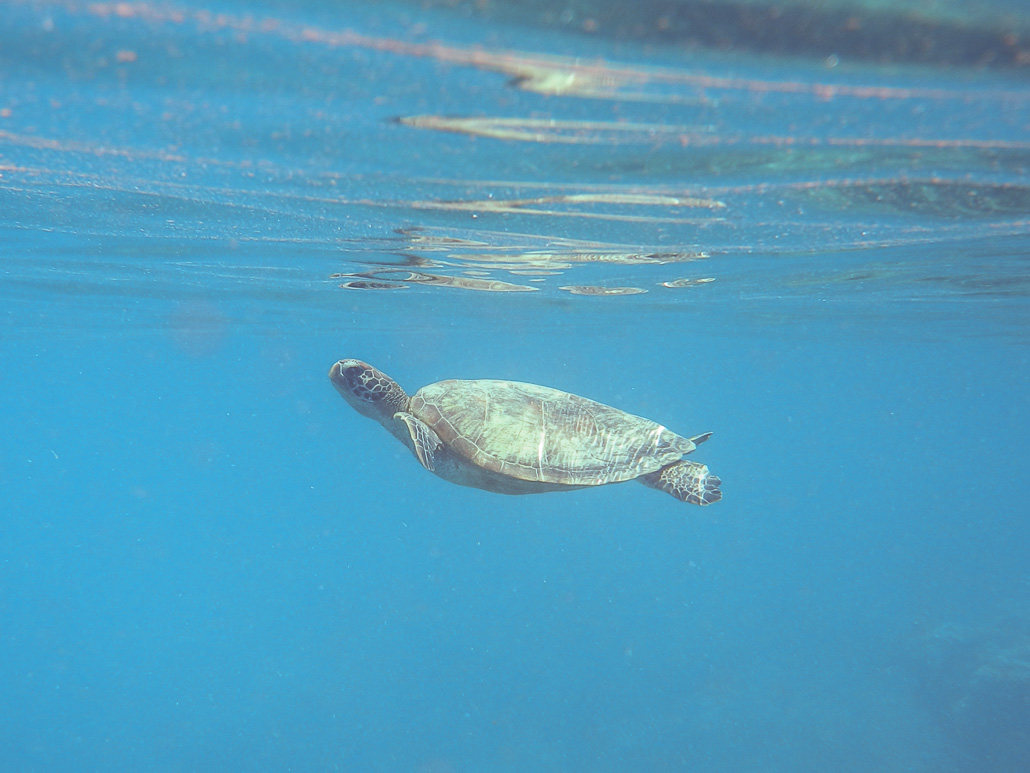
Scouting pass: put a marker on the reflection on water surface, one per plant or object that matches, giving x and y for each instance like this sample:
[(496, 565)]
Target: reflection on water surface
[(373, 151)]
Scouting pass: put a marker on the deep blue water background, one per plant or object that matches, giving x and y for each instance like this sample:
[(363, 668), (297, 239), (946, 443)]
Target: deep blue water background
[(209, 562)]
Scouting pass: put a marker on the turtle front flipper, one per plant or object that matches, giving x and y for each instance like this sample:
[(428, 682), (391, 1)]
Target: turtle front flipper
[(687, 481), (423, 439)]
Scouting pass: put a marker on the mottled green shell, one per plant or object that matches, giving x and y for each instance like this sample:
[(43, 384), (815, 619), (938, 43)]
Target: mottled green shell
[(535, 433)]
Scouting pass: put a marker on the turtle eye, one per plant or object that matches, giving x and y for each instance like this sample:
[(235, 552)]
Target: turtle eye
[(363, 384)]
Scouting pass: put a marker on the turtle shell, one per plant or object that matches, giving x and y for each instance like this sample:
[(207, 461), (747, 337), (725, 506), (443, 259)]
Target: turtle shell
[(535, 433)]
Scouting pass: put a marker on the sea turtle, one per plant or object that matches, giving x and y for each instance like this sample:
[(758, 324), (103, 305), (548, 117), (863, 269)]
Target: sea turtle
[(515, 438)]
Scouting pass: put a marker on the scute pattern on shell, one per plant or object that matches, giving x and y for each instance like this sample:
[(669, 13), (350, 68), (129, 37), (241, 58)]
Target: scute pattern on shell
[(535, 433)]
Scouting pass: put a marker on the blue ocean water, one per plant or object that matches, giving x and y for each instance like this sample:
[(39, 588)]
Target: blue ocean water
[(209, 561)]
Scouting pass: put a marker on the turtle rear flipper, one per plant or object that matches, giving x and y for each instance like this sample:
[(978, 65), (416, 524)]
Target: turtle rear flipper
[(687, 481)]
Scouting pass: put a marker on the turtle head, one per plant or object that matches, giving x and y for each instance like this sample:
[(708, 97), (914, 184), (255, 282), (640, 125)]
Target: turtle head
[(369, 391)]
